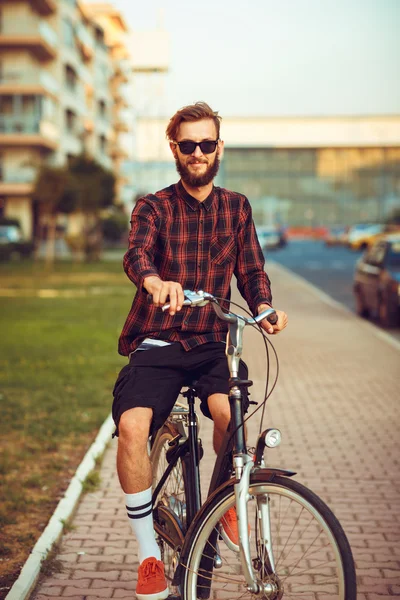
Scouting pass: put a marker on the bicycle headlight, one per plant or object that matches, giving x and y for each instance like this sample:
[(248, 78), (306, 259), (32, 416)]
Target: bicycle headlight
[(273, 438)]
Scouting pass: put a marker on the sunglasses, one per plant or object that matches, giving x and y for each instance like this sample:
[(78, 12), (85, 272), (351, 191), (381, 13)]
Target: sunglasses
[(188, 147)]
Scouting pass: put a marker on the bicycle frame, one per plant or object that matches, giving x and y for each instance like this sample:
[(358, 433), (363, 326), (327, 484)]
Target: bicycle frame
[(242, 463)]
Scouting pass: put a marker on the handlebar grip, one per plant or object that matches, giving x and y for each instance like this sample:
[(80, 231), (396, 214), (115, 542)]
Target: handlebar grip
[(272, 318)]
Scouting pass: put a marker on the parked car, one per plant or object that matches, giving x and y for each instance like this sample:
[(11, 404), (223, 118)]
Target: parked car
[(10, 233), (377, 281), (358, 231), (336, 236), (272, 236), (12, 244), (361, 239)]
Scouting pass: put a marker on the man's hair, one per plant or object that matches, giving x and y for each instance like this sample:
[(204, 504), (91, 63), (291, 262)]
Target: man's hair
[(193, 112)]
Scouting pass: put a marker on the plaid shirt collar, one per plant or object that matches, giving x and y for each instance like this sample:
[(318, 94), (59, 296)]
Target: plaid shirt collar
[(192, 203)]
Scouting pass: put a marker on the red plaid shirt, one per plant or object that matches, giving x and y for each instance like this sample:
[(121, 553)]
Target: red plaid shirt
[(200, 245)]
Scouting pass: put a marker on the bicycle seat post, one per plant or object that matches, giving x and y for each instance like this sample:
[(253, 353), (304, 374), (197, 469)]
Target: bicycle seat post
[(193, 503)]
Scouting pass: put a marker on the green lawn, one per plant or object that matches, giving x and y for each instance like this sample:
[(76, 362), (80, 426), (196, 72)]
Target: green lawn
[(58, 364)]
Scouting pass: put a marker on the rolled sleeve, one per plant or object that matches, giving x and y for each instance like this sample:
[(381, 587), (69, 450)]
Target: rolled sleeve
[(253, 282), (138, 260)]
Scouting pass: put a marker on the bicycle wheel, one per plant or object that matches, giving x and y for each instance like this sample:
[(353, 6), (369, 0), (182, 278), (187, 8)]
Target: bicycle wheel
[(171, 499), (312, 556)]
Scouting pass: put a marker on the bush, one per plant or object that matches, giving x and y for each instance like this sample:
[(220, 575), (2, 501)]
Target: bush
[(16, 251)]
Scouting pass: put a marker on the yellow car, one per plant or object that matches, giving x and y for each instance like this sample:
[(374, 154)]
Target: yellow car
[(363, 238)]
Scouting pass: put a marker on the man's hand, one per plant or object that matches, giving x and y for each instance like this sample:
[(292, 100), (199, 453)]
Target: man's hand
[(163, 291), (279, 325)]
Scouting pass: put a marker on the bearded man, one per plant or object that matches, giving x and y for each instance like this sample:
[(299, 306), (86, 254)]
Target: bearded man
[(191, 235)]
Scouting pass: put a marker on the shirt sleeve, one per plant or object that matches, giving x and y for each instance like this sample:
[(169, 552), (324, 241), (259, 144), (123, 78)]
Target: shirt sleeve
[(252, 280), (138, 260)]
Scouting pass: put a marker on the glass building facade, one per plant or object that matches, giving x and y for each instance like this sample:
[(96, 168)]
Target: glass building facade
[(315, 186)]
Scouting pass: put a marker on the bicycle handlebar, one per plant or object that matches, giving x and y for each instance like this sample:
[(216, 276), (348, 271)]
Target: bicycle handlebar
[(201, 298)]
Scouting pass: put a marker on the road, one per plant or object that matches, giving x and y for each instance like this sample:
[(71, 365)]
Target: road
[(328, 268)]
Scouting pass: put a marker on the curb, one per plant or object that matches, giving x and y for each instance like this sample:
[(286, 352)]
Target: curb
[(27, 579), (338, 305)]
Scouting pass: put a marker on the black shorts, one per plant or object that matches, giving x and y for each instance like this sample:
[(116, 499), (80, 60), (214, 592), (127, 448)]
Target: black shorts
[(153, 378)]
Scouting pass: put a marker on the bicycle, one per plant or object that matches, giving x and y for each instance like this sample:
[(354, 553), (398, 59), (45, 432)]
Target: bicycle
[(295, 546)]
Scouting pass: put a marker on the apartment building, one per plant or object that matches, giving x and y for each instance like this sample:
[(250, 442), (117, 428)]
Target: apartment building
[(117, 37), (60, 94)]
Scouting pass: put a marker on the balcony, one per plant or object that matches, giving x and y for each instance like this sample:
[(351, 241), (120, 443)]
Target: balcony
[(122, 71), (121, 125), (117, 151), (73, 97), (27, 130), (103, 125), (44, 7), (36, 82), (37, 36), (84, 42), (86, 76), (17, 182), (72, 141)]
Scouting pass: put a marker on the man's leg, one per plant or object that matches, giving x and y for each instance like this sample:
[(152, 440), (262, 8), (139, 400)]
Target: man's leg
[(134, 472), (218, 405), (133, 463)]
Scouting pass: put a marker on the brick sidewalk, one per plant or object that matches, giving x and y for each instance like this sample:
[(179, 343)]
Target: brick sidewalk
[(337, 405)]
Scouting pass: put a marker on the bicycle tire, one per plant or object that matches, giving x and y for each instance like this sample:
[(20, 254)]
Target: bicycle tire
[(172, 495), (317, 564)]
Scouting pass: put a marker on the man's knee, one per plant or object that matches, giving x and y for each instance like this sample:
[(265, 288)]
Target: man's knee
[(218, 405), (134, 425)]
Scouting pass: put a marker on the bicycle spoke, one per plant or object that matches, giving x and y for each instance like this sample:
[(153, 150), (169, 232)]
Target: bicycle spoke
[(304, 549)]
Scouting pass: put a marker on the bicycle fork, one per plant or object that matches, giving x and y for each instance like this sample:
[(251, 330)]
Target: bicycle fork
[(243, 464)]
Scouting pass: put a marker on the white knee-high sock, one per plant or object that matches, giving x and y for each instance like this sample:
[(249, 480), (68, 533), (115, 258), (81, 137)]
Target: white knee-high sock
[(140, 513)]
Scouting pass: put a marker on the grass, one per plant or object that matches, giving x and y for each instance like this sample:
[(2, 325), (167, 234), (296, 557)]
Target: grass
[(51, 564), (58, 364), (92, 482)]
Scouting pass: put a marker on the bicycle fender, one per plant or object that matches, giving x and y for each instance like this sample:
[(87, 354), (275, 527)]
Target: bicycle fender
[(263, 474)]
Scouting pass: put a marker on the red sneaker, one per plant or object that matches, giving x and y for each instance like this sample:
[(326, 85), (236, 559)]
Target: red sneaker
[(229, 529), (151, 584)]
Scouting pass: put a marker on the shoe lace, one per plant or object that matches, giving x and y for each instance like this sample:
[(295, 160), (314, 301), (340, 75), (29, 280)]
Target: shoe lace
[(151, 570)]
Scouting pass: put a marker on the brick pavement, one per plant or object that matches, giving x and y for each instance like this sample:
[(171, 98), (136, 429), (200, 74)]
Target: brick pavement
[(337, 405)]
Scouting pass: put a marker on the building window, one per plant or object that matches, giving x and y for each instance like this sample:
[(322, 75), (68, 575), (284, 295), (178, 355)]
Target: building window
[(102, 109), (70, 121), (99, 36), (70, 78), (103, 144)]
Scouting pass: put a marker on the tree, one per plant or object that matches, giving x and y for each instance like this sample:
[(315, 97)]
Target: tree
[(55, 193), (95, 191)]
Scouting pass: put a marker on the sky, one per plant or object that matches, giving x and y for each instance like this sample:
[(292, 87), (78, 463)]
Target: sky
[(275, 57)]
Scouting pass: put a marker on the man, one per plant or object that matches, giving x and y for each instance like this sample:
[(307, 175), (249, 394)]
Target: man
[(190, 235)]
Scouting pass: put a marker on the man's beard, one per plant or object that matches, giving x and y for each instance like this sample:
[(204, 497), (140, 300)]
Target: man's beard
[(197, 180)]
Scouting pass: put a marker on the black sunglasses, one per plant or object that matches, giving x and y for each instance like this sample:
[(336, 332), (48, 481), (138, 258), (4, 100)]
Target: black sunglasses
[(188, 147)]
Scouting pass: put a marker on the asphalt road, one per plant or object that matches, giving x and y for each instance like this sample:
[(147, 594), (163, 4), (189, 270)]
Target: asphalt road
[(329, 268)]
